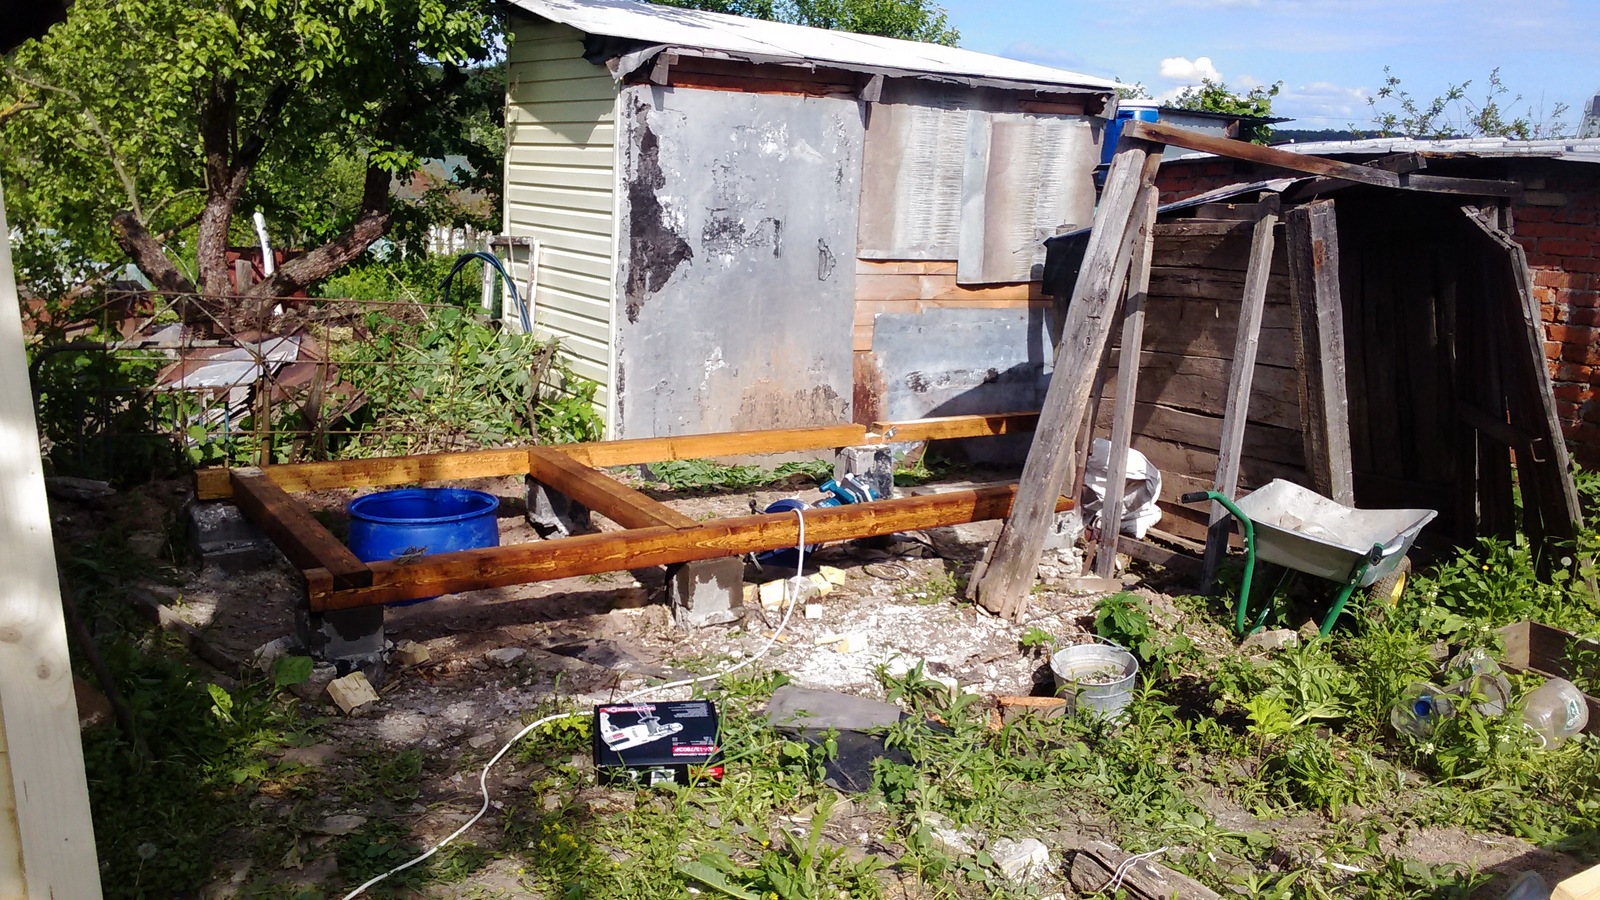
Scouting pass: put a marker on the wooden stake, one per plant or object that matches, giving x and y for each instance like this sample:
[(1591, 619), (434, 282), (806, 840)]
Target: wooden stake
[(1313, 234), (1105, 562), (1241, 375), (1007, 578)]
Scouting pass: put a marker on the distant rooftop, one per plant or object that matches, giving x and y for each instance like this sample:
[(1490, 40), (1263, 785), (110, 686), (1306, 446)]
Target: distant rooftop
[(1572, 149), (757, 40)]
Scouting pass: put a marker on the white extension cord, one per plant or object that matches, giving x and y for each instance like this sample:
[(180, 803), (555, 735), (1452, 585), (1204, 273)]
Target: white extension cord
[(483, 778)]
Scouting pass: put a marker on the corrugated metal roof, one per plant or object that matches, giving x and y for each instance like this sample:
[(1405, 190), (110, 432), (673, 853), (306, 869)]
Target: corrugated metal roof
[(764, 41), (1573, 149)]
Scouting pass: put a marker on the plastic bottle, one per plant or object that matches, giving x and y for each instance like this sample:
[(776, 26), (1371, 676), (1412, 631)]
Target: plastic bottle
[(1555, 711), (1477, 677), (1420, 709), (1528, 886)]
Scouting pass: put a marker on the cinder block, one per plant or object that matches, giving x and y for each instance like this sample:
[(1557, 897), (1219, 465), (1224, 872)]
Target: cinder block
[(873, 464), (706, 592), (351, 639), (223, 539), (554, 515)]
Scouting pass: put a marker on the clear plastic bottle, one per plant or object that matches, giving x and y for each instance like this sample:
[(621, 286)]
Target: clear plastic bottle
[(1477, 677), (1555, 711), (1420, 709)]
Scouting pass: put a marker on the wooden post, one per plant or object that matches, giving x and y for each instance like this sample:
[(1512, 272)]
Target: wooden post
[(1313, 234), (1007, 576), (46, 836), (1105, 561), (1241, 375)]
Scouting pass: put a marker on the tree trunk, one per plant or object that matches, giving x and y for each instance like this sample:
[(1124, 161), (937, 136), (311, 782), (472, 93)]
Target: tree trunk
[(372, 222), (148, 254)]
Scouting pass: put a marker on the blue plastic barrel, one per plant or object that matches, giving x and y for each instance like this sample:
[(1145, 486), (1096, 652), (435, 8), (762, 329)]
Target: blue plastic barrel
[(421, 521)]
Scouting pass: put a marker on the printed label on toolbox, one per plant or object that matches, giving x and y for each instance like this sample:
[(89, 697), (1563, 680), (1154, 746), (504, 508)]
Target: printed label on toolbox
[(644, 735)]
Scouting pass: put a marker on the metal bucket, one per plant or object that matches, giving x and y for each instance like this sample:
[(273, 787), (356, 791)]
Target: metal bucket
[(1074, 664)]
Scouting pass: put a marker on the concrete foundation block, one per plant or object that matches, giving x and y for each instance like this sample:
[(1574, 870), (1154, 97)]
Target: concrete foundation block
[(350, 639), (555, 515), (221, 538), (872, 464), (706, 592)]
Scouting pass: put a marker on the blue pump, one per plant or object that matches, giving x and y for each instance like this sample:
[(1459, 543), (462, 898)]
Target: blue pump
[(838, 492)]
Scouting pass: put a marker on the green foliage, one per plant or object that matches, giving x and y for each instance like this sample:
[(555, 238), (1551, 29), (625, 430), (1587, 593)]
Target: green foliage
[(1125, 618), (705, 474), (162, 108), (911, 20), (1452, 113), (1216, 96)]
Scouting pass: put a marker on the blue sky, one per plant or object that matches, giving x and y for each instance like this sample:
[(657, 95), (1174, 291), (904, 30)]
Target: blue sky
[(1330, 54)]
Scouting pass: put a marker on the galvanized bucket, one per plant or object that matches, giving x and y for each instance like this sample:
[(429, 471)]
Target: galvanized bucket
[(1112, 667)]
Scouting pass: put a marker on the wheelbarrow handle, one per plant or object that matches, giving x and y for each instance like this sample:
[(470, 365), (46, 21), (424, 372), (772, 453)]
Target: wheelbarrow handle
[(1195, 497)]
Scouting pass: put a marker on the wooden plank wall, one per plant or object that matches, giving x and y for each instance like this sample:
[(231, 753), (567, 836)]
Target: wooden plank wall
[(1192, 314)]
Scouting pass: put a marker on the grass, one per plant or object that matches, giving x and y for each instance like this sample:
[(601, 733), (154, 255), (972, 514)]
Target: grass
[(1275, 777)]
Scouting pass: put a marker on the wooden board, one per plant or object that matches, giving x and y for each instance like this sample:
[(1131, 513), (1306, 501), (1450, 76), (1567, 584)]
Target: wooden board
[(617, 502), (46, 835), (1155, 421), (942, 428), (1200, 384), (295, 530), (702, 446), (592, 554), (1313, 239), (1266, 156)]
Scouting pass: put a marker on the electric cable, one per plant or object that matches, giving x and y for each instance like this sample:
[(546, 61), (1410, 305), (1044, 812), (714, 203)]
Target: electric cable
[(494, 261), (483, 777)]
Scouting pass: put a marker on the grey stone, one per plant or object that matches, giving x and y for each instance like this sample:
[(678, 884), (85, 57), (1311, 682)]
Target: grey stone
[(1021, 861), (506, 656), (553, 514), (872, 465), (348, 638), (798, 707), (706, 592), (1270, 641), (223, 539), (948, 838), (342, 824)]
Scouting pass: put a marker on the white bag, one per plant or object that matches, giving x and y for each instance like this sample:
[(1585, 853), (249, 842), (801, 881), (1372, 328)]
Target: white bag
[(1139, 510)]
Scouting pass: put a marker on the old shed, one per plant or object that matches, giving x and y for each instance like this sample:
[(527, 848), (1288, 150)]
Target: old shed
[(743, 224)]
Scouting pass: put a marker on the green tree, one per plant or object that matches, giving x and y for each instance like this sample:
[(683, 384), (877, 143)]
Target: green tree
[(1216, 96), (1453, 113), (911, 20), (150, 129)]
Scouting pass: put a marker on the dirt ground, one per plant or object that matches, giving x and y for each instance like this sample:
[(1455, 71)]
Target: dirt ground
[(597, 638)]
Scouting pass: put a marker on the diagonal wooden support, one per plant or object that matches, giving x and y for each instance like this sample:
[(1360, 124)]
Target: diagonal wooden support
[(617, 502), (1313, 243), (591, 554), (1241, 376), (295, 530), (1105, 561), (1005, 579)]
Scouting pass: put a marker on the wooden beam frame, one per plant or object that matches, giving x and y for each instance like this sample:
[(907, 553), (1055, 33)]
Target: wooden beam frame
[(295, 530), (592, 554), (608, 497)]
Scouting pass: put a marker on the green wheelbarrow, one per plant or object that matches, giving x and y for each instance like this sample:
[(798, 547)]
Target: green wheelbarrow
[(1285, 524)]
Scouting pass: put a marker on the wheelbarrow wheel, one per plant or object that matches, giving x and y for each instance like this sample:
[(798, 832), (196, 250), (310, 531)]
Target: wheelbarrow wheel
[(1384, 594)]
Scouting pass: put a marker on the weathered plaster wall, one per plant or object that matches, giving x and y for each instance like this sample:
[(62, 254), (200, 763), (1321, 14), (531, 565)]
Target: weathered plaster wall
[(737, 226)]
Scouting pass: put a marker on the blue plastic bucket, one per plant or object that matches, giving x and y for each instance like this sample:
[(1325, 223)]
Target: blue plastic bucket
[(419, 522)]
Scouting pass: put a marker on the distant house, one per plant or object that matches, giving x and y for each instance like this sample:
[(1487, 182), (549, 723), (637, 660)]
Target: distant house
[(743, 224)]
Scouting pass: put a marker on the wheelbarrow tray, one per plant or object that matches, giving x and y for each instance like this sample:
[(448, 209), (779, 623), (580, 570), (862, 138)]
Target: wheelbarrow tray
[(1307, 532)]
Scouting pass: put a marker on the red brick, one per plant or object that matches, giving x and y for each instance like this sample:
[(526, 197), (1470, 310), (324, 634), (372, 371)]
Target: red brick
[(1571, 334), (1579, 299), (1542, 229), (1582, 266), (1565, 247), (1576, 393), (1580, 353), (1568, 371), (1547, 278), (1585, 433), (1524, 214), (1566, 410)]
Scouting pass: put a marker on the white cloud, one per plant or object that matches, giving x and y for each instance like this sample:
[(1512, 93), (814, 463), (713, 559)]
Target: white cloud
[(1179, 68), (1323, 104)]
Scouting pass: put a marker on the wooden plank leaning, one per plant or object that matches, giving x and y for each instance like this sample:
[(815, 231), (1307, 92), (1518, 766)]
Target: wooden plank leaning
[(1105, 561), (1004, 580), (1241, 377), (1313, 236)]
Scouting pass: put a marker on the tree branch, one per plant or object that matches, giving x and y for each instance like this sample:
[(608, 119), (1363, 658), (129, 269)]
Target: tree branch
[(129, 186), (372, 222), (147, 253)]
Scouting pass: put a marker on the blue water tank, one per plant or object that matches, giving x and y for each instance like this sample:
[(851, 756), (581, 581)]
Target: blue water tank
[(420, 521), (1114, 130)]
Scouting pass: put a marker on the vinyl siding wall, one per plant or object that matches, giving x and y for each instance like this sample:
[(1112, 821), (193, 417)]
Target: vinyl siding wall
[(560, 183)]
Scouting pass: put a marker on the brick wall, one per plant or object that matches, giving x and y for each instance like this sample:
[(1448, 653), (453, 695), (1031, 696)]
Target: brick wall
[(1557, 222)]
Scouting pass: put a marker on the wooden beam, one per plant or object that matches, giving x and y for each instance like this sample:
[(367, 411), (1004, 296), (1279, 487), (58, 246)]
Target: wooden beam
[(213, 484), (1241, 377), (1266, 156), (701, 446), (950, 427), (1466, 187), (592, 554), (1313, 235), (1005, 579), (617, 502), (295, 530), (1105, 561), (47, 844)]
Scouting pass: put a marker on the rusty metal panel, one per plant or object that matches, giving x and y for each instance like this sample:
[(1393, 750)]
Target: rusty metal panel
[(737, 226), (1028, 177)]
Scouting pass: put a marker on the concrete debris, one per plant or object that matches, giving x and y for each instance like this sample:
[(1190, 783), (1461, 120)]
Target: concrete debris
[(1270, 641), (833, 575), (352, 692), (853, 642), (821, 585), (948, 838), (337, 825), (506, 656), (411, 653), (814, 611), (797, 707), (1021, 861), (267, 653)]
